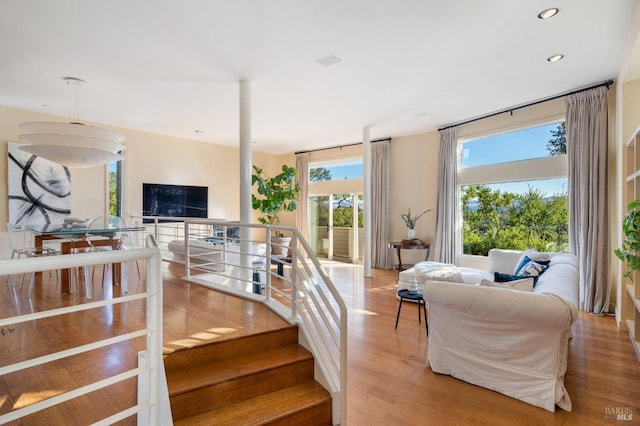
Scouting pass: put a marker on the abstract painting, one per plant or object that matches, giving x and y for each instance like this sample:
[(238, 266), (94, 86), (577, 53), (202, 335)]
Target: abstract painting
[(39, 190)]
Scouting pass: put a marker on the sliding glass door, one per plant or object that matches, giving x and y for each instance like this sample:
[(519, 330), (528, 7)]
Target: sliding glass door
[(336, 232), (320, 229)]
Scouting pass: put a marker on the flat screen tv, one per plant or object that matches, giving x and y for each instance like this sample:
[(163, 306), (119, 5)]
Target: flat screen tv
[(174, 200)]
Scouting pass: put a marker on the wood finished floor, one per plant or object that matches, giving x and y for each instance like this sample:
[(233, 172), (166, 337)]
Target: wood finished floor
[(389, 380)]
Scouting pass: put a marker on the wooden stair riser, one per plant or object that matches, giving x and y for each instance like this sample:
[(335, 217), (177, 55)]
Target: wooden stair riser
[(304, 404), (316, 415), (212, 397)]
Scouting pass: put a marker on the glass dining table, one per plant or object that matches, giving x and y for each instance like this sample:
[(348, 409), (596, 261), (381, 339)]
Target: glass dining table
[(76, 238)]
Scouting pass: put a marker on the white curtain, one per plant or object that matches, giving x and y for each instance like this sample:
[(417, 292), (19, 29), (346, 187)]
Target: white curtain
[(587, 131), (380, 204), (302, 177), (445, 247)]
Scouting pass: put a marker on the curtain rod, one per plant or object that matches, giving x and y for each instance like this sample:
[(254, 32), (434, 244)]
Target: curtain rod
[(340, 146), (493, 114)]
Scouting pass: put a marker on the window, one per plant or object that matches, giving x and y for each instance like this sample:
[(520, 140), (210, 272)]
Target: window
[(115, 188), (514, 191), (335, 172), (523, 144)]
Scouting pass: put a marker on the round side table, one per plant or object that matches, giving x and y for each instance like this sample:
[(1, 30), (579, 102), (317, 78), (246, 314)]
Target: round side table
[(416, 297)]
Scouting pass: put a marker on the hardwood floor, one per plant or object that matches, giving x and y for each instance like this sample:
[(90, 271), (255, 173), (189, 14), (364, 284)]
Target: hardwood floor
[(389, 383)]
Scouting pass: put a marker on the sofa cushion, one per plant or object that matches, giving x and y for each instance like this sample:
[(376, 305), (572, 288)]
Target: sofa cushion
[(502, 260), (523, 284), (437, 271)]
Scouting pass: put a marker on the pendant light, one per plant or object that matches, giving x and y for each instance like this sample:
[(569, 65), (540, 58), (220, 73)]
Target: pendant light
[(74, 144)]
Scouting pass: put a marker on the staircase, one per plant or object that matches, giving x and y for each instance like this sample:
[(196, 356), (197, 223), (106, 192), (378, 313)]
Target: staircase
[(266, 378)]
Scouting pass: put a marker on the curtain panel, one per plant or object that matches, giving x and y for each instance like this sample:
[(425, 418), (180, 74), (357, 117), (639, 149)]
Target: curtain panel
[(302, 177), (380, 204), (587, 133), (445, 246)]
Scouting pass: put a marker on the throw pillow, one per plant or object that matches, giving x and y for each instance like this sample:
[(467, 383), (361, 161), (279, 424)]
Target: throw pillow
[(529, 255), (523, 284), (503, 278), (532, 268)]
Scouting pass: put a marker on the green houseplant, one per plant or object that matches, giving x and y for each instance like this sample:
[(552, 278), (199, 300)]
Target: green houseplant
[(410, 221), (631, 244), (276, 194)]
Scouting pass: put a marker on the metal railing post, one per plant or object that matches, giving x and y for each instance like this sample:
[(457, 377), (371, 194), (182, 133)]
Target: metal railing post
[(187, 253), (294, 278), (268, 263)]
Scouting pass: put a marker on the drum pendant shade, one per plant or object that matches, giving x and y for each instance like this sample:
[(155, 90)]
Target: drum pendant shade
[(72, 144)]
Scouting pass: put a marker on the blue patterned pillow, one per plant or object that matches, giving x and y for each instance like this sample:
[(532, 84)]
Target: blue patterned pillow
[(531, 268)]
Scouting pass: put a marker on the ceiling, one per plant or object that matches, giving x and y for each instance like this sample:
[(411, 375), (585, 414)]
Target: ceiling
[(407, 66)]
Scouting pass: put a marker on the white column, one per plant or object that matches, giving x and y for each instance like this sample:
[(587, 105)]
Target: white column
[(366, 169), (245, 176), (245, 151)]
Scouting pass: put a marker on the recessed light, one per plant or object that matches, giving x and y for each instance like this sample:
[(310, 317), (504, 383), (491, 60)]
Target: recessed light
[(548, 13), (327, 61), (555, 58)]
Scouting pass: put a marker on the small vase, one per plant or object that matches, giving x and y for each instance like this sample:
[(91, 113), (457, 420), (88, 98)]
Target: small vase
[(413, 285), (412, 234)]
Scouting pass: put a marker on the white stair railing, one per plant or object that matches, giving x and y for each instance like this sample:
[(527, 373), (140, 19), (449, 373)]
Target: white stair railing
[(154, 408), (292, 283)]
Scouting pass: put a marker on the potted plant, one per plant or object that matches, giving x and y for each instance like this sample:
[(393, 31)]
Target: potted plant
[(275, 194), (410, 221), (631, 244)]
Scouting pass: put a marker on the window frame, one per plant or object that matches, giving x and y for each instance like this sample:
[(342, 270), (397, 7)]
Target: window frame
[(549, 167)]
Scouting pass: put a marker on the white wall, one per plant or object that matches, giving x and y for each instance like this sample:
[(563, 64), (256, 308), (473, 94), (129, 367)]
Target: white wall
[(149, 158), (166, 160), (413, 181)]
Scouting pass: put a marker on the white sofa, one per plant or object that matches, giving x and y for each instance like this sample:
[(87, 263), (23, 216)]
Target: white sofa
[(513, 342), (204, 254)]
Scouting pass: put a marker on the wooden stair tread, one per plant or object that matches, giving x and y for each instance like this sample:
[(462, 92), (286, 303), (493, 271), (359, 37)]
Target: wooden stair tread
[(208, 373), (215, 352), (268, 408)]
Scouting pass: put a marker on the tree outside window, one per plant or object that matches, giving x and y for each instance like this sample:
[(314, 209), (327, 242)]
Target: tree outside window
[(496, 217)]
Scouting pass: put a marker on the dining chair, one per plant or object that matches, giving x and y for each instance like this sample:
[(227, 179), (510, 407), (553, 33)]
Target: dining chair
[(84, 243), (122, 243), (130, 240), (20, 247)]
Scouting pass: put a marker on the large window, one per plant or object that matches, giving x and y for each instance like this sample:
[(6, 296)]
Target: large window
[(514, 191)]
